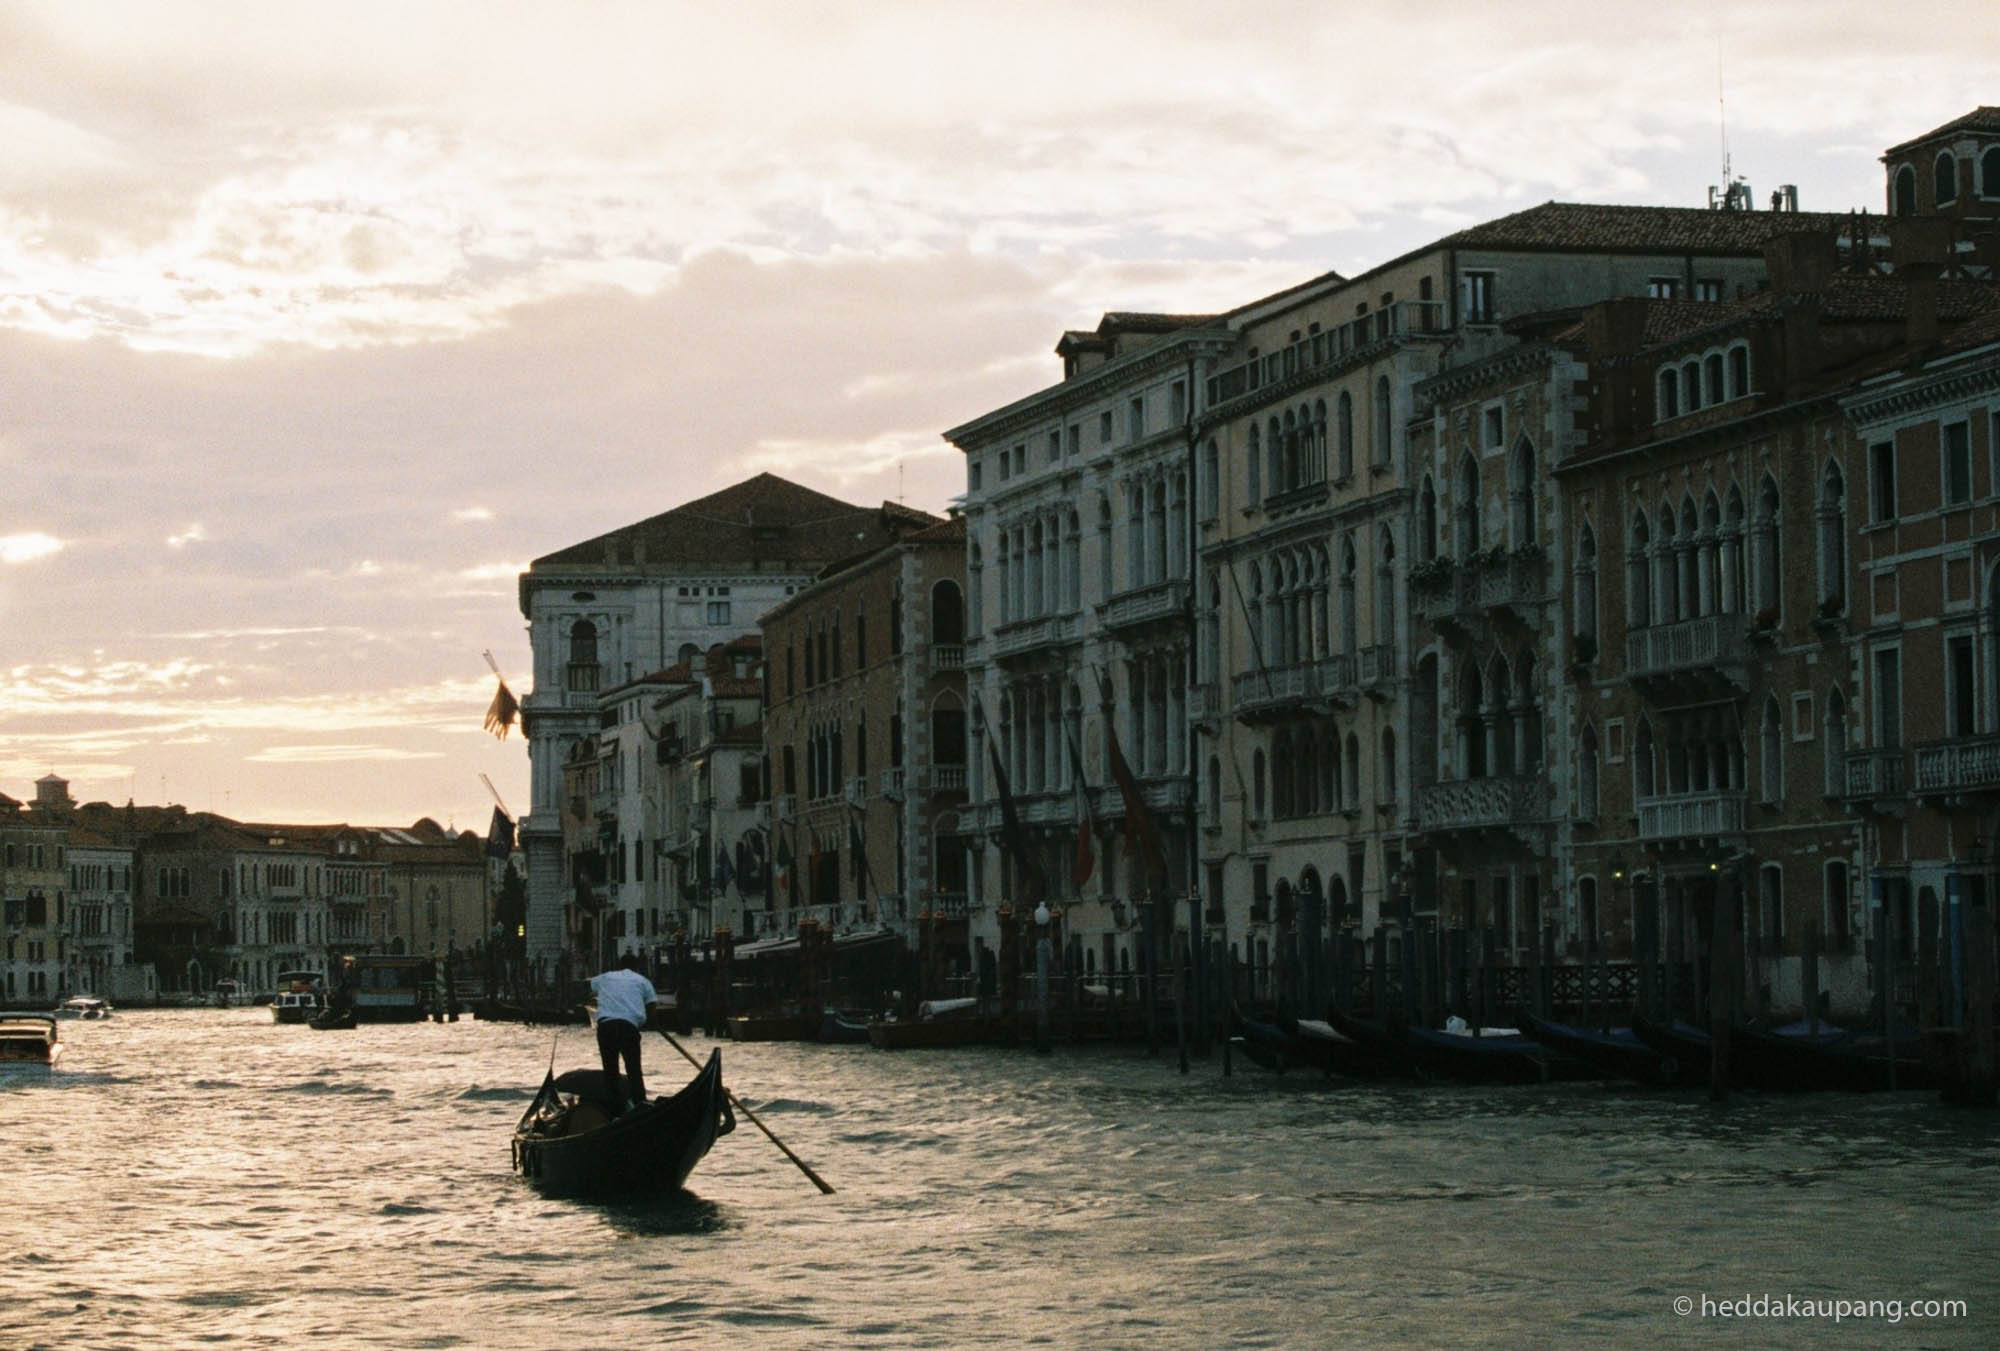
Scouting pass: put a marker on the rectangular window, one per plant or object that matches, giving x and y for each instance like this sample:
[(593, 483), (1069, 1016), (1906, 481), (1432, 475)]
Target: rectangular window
[(1104, 428), (1135, 420), (1055, 447), (1177, 403), (1479, 298), (1493, 426), (718, 612), (1076, 438), (1006, 465), (1882, 481), (1663, 288), (1956, 471), (1960, 693), (1888, 696), (972, 476), (1708, 288)]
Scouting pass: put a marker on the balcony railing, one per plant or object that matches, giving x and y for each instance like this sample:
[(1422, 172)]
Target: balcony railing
[(1342, 345), (892, 783), (1021, 635), (1378, 663), (857, 791), (1688, 648), (1482, 804), (1144, 605), (944, 779), (948, 904), (1962, 765), (788, 806), (1874, 774), (1691, 816), (1486, 584), (947, 656), (1274, 687), (1205, 701)]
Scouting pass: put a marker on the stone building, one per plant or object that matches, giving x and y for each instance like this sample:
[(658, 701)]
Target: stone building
[(641, 598), (865, 730), (34, 901)]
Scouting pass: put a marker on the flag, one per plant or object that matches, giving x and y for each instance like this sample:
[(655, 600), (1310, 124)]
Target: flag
[(1027, 873), (784, 868), (723, 875), (499, 836), (1140, 837), (1085, 862), (500, 714)]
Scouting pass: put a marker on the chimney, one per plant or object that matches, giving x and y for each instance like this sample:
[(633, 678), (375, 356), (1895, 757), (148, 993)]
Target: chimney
[(1919, 239), (1804, 260), (1615, 327)]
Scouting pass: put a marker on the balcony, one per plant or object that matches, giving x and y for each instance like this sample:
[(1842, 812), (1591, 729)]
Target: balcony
[(1378, 668), (1497, 585), (1691, 818), (947, 656), (892, 783), (1274, 691), (1502, 804), (1025, 635), (1317, 355), (1144, 605), (943, 778), (1696, 657), (857, 791), (1960, 766), (787, 807), (1205, 702), (948, 905), (1873, 777), (1336, 680)]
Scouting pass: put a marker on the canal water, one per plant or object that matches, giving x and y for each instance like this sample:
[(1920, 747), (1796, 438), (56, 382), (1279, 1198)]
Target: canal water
[(206, 1178)]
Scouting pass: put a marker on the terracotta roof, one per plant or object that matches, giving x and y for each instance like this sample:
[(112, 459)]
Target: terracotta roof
[(1638, 229), (1983, 118), (764, 519)]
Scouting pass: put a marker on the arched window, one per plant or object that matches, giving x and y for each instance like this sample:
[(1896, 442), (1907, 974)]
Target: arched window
[(1644, 767), (1521, 494), (1771, 749), (1282, 762), (1385, 768), (1472, 724), (1385, 422), (1989, 172), (1316, 466), (1771, 909), (1427, 522), (1669, 394), (1739, 372), (1466, 509), (1638, 588), (1253, 465), (1691, 385), (1104, 559), (1385, 588), (1944, 177), (1350, 781), (1274, 459), (1211, 481), (1905, 203), (1711, 378), (1586, 593), (1257, 785), (1212, 808), (1834, 905), (1832, 523), (582, 673), (1350, 639), (1343, 434), (975, 581), (947, 613), (1764, 544)]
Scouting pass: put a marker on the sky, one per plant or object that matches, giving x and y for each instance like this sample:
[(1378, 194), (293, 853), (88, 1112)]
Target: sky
[(319, 321)]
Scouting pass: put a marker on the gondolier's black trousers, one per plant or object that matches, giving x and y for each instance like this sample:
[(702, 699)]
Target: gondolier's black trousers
[(615, 1038)]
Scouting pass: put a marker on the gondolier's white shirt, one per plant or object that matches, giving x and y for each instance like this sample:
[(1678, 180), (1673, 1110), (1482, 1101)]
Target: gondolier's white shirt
[(623, 994)]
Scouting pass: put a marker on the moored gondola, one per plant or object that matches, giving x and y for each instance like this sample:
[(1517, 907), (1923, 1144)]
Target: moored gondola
[(568, 1144), (1490, 1058), (1302, 1043), (1617, 1052)]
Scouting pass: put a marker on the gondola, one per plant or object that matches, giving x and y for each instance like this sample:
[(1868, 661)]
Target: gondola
[(568, 1144), (1617, 1052), (1794, 1061), (332, 1018), (843, 1026), (1507, 1058), (1302, 1043)]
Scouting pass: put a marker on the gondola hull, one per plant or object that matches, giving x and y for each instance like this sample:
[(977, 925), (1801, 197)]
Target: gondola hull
[(568, 1146), (1309, 1045), (1618, 1053), (1465, 1059)]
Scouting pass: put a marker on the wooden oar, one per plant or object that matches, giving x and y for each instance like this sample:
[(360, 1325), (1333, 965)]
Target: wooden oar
[(737, 1103)]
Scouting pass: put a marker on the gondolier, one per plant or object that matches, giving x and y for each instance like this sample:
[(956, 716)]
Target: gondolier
[(624, 997)]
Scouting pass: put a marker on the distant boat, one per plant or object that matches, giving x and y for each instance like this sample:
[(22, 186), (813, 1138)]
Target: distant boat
[(229, 993), (29, 1041), (939, 1022), (331, 1019), (1493, 1056), (83, 1006), (841, 1025), (771, 1027), (297, 1000), (568, 1144)]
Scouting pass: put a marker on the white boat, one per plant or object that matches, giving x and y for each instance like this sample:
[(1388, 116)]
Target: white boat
[(29, 1041), (295, 1004), (83, 1006)]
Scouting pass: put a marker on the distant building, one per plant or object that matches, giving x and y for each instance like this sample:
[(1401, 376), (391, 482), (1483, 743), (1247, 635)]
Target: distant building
[(34, 885), (644, 597)]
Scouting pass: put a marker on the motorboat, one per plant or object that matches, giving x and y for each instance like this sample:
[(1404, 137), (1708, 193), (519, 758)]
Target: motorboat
[(83, 1006), (297, 1000), (29, 1041)]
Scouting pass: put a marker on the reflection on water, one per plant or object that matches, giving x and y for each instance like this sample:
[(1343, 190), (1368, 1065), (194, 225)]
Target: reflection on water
[(209, 1177)]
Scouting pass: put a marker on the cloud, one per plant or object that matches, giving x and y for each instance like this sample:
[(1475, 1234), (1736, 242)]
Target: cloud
[(473, 514), (26, 548), (194, 534), (331, 754)]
